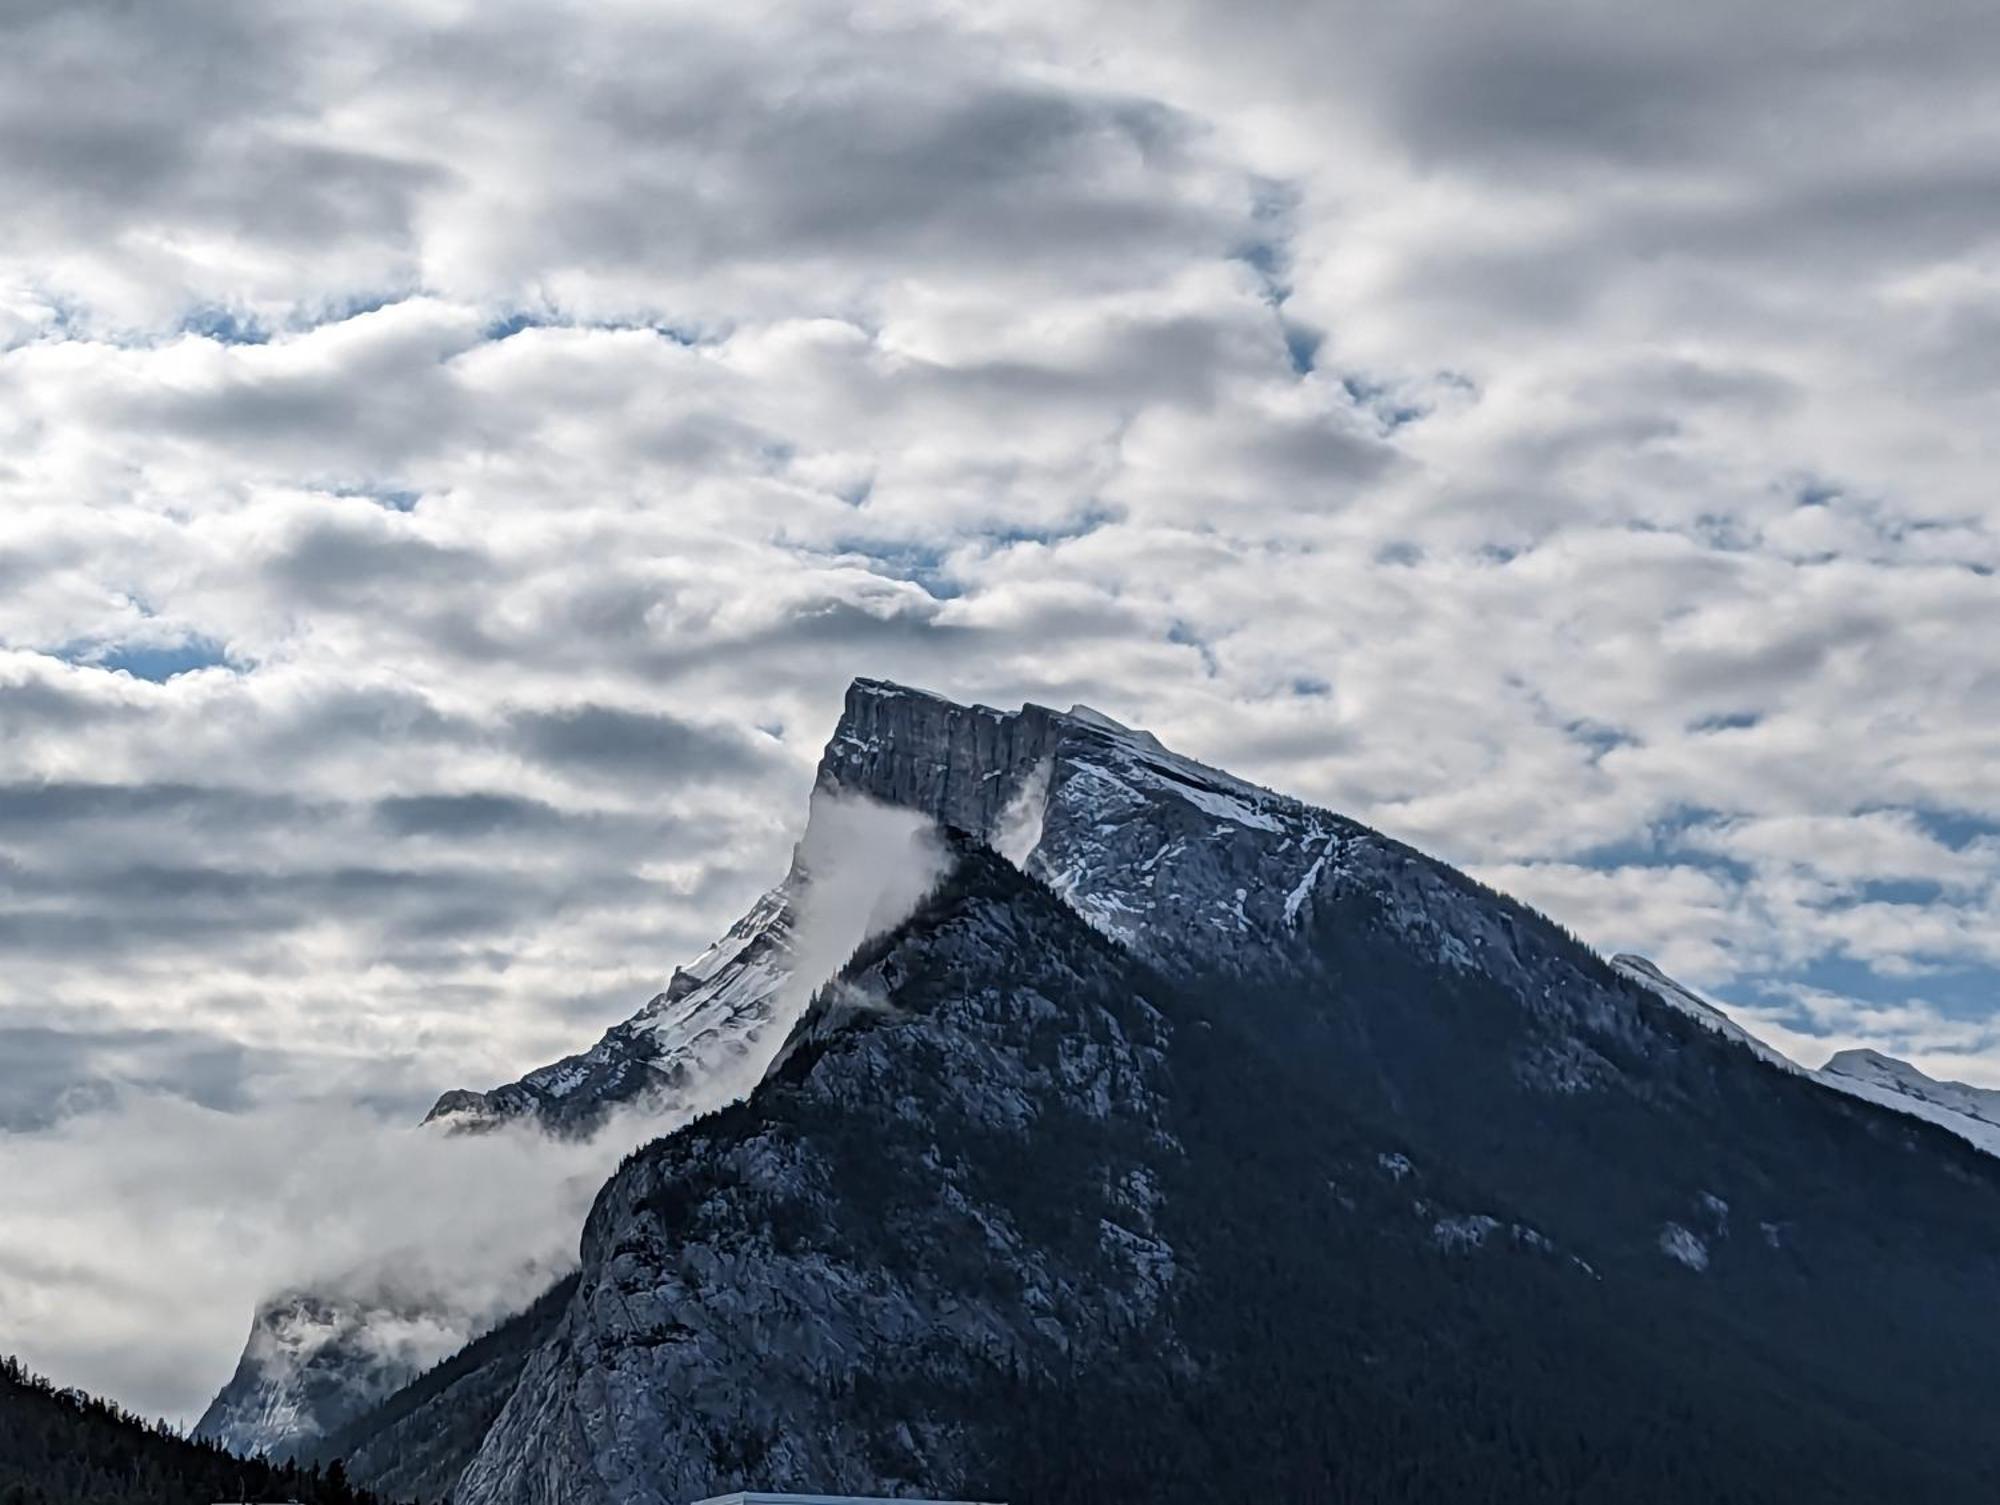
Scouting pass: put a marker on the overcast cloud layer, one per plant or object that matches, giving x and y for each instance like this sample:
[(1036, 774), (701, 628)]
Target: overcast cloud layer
[(452, 458)]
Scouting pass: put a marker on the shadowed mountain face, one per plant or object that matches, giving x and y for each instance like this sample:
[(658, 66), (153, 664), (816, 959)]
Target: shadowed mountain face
[(1189, 1138), (1972, 1113)]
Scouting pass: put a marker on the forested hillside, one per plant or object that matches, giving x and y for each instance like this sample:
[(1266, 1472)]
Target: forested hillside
[(61, 1447)]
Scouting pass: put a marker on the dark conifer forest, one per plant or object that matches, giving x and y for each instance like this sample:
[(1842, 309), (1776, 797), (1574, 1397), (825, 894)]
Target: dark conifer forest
[(62, 1447)]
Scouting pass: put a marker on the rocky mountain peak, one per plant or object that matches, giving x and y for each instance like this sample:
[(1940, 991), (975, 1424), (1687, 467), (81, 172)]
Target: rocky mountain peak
[(1168, 856), (1181, 1117)]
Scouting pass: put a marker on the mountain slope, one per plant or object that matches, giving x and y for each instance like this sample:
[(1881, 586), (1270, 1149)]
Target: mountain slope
[(1007, 1221), (414, 1445), (707, 1022), (1229, 1140), (1972, 1113)]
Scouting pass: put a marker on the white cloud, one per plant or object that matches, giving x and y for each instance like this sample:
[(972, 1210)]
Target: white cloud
[(1564, 441), (132, 1236)]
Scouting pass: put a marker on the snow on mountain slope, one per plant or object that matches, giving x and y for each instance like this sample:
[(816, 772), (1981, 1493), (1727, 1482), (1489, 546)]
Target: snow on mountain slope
[(1169, 1109), (1153, 849), (1647, 975), (710, 1021), (1184, 865), (1972, 1113), (700, 1044)]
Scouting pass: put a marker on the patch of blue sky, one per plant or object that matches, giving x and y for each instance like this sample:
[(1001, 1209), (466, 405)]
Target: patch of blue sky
[(1598, 737), (1079, 525), (1661, 844), (392, 498), (157, 662), (340, 310), (1956, 991), (1380, 402), (1957, 829), (1915, 891), (506, 328), (1734, 721), (1185, 636), (521, 320), (1302, 346), (226, 326), (923, 565)]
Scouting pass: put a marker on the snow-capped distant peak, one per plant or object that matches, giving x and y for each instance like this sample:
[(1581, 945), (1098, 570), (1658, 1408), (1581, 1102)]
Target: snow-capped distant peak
[(1972, 1113)]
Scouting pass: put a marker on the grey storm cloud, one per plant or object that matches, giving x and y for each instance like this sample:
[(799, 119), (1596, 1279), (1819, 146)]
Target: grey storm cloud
[(453, 459), (47, 1073), (608, 741)]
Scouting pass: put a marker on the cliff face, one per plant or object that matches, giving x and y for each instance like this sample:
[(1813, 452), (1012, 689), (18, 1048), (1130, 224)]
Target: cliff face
[(1191, 1135), (713, 1022), (312, 1362), (757, 1286)]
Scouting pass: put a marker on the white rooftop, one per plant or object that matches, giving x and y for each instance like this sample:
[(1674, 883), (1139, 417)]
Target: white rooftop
[(753, 1498)]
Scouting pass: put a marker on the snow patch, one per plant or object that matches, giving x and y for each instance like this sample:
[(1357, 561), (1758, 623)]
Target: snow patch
[(1684, 1245)]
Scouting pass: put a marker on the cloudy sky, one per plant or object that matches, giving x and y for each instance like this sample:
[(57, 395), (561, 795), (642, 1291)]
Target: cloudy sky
[(453, 456)]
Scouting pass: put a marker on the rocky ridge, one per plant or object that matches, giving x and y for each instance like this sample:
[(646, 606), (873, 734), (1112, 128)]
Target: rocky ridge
[(1241, 1045), (1972, 1113)]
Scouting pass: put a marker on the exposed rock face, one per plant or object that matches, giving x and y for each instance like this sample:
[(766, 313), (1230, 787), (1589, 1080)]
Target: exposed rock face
[(753, 1270), (711, 1021), (311, 1363), (1166, 856), (1159, 852), (414, 1446), (1212, 1137), (1185, 865)]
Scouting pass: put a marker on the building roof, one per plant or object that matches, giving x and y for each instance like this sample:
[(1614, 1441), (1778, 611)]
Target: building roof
[(754, 1498)]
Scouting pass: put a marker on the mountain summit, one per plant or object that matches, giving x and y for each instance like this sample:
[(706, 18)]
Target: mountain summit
[(1183, 1137), (1157, 851)]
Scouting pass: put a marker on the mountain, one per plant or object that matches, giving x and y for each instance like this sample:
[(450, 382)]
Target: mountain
[(61, 1447), (1696, 1007), (317, 1360), (727, 1007), (1188, 1138), (414, 1445), (1972, 1113), (709, 1020), (313, 1361)]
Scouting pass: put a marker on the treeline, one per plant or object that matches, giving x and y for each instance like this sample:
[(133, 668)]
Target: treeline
[(62, 1447)]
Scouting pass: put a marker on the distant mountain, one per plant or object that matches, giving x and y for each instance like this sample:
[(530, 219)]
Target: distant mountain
[(313, 1361), (710, 1020), (1190, 1140), (61, 1447), (1972, 1113)]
